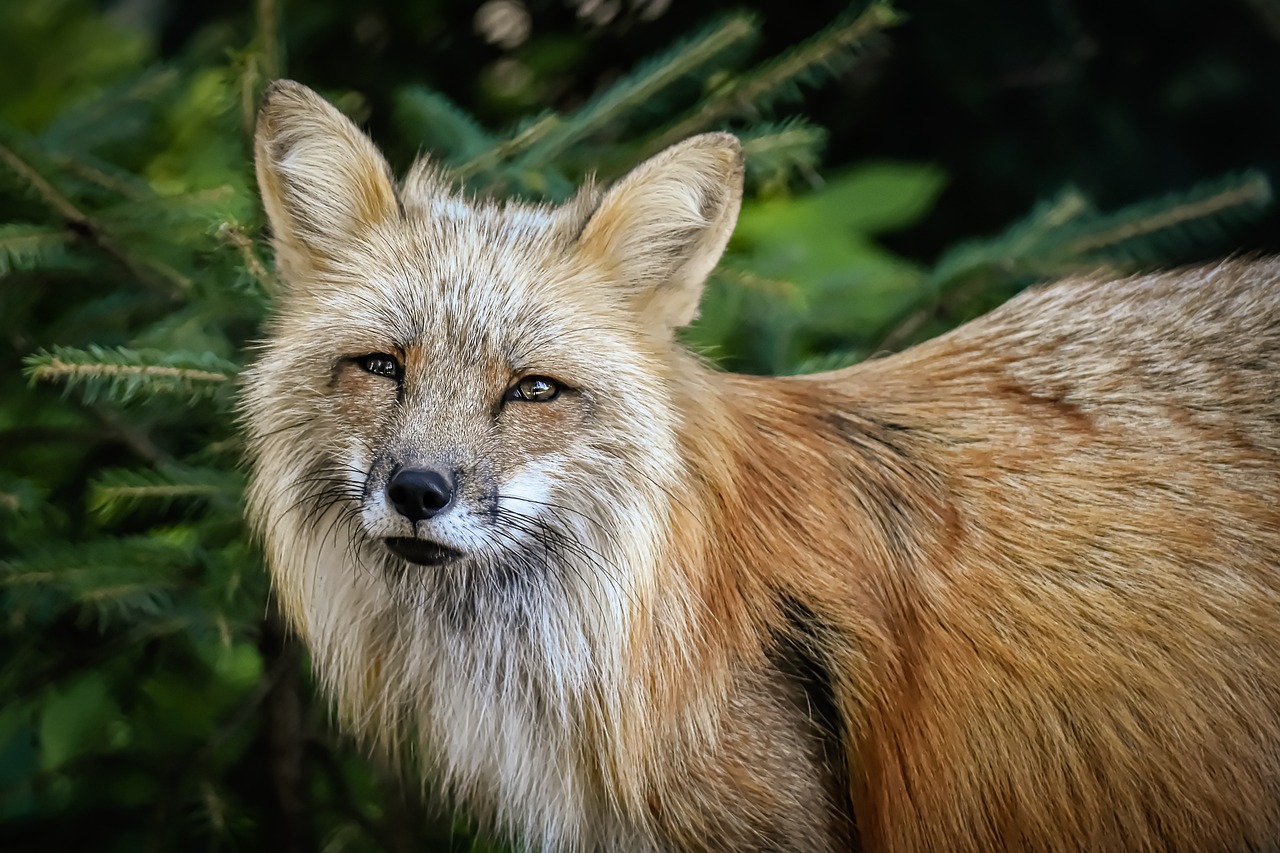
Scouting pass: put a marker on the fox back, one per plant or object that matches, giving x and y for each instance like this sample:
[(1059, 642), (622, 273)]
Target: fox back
[(1014, 588)]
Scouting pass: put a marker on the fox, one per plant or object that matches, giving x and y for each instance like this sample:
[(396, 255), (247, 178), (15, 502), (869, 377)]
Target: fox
[(1014, 588)]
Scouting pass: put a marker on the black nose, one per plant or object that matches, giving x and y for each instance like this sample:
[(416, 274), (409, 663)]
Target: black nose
[(419, 493)]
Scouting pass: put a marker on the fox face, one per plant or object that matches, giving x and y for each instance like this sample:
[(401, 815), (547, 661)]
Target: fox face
[(482, 382), (473, 416)]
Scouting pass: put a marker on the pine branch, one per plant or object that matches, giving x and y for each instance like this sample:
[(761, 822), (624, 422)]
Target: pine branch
[(1009, 250), (104, 176), (18, 496), (116, 492), (121, 375), (756, 90), (29, 247), (115, 561), (77, 221), (267, 39), (195, 211), (526, 136), (134, 436), (968, 265), (829, 361), (74, 218), (1234, 196), (775, 151), (125, 580), (116, 114), (1068, 206), (260, 63), (1066, 234), (745, 278), (235, 236), (439, 125), (625, 96), (551, 134)]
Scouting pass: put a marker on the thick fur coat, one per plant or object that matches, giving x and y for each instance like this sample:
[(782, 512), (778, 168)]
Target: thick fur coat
[(1015, 588)]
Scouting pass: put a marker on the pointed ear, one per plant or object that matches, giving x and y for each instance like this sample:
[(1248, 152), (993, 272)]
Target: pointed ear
[(661, 229), (322, 180)]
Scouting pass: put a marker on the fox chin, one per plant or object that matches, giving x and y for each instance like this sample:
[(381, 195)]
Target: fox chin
[(1015, 588)]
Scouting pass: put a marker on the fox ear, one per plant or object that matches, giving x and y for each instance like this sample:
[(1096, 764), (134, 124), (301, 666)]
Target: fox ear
[(322, 180), (662, 228)]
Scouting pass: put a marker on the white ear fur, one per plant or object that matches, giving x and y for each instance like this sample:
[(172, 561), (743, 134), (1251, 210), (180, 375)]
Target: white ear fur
[(662, 228), (322, 180)]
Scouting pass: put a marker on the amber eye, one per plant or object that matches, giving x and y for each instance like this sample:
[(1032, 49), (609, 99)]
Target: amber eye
[(382, 364), (535, 389)]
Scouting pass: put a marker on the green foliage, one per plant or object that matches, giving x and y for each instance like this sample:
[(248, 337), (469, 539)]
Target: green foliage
[(445, 129), (123, 375), (633, 93), (782, 77), (1067, 232), (548, 156), (785, 302), (117, 491), (30, 247), (775, 151), (150, 699), (827, 291)]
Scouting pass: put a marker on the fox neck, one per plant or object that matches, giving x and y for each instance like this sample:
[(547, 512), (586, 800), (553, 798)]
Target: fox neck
[(801, 519)]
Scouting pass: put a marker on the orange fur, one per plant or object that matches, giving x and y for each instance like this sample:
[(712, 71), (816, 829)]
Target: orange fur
[(1049, 586)]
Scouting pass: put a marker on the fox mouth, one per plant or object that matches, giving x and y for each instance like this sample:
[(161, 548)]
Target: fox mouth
[(421, 551)]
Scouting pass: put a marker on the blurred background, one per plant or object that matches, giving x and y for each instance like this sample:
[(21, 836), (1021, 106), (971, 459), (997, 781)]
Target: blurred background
[(909, 167)]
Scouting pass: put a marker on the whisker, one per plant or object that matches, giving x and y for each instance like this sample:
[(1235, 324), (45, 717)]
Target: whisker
[(557, 539), (550, 560), (556, 506)]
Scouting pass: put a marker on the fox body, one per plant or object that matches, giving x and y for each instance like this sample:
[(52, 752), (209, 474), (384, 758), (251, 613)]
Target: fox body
[(1015, 588)]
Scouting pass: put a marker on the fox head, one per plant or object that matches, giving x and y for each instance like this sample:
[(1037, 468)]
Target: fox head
[(465, 413)]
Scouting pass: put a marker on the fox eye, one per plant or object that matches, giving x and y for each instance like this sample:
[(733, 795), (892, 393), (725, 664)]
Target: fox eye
[(535, 389), (382, 364)]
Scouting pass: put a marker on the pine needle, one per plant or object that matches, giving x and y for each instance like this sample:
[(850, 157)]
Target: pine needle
[(745, 278), (19, 496), (126, 559), (29, 247), (829, 361), (104, 176), (1067, 233), (1202, 206), (445, 130), (118, 491), (122, 375), (548, 139), (756, 90), (526, 136), (22, 160), (235, 236), (774, 152), (121, 580)]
